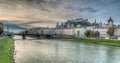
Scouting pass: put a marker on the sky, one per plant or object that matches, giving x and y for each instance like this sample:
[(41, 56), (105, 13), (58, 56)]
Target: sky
[(48, 12)]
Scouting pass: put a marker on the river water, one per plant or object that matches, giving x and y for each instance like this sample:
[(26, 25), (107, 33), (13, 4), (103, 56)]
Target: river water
[(60, 51)]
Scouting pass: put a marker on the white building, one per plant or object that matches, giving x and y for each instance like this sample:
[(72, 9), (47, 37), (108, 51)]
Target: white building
[(75, 32), (58, 31), (49, 31), (117, 33), (79, 32), (103, 32)]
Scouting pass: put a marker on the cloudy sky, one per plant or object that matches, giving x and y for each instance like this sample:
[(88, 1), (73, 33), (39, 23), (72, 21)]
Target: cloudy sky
[(48, 12)]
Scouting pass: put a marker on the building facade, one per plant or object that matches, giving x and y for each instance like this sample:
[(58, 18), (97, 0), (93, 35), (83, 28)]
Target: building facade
[(77, 28)]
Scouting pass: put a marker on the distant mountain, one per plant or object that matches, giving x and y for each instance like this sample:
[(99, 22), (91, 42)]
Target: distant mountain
[(13, 28)]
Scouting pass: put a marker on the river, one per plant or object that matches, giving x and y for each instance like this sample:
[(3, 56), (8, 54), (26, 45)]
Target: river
[(61, 51)]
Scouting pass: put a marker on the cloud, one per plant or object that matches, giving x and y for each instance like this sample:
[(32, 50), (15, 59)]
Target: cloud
[(52, 11), (88, 9)]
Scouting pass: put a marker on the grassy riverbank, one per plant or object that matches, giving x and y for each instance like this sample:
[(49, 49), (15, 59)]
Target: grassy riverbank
[(6, 47), (99, 41)]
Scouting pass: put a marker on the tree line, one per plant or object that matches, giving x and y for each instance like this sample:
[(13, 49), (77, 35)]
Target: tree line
[(92, 34), (96, 34)]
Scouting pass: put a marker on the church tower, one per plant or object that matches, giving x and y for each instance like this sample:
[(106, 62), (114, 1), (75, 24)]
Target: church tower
[(110, 22)]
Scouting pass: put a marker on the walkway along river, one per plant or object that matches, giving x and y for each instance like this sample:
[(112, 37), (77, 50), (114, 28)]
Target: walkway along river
[(60, 51)]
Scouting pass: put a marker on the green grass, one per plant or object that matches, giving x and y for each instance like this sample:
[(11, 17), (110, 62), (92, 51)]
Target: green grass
[(6, 47), (99, 41)]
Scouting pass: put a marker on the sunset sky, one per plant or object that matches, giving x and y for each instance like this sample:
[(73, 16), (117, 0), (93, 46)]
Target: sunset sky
[(49, 12)]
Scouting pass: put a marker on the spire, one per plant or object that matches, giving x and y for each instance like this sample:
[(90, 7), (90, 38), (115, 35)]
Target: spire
[(95, 21)]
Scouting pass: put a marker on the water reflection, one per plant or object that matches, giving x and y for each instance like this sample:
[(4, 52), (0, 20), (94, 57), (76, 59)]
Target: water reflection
[(59, 51)]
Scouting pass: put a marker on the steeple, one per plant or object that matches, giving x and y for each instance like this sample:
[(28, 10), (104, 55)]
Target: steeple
[(95, 21)]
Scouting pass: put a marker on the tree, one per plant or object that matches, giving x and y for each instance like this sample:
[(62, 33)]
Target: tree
[(96, 34), (1, 31), (111, 31), (89, 33)]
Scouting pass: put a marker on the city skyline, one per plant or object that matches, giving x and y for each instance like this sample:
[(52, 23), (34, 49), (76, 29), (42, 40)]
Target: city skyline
[(49, 12)]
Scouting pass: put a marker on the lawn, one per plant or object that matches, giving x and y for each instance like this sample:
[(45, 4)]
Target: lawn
[(99, 41), (6, 47)]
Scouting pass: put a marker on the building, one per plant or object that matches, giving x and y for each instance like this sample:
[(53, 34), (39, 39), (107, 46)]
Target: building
[(77, 28), (74, 23), (79, 32)]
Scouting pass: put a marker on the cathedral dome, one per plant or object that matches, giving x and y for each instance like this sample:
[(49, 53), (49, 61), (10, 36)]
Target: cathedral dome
[(110, 20)]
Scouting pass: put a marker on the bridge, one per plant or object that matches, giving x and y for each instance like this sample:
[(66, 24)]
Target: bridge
[(38, 36)]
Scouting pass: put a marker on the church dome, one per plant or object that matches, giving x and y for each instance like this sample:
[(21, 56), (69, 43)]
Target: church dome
[(110, 20)]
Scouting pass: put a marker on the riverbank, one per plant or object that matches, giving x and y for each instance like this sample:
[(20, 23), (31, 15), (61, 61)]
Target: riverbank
[(6, 47), (99, 41)]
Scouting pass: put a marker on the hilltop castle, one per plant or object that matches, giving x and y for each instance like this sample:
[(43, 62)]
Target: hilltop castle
[(80, 22)]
